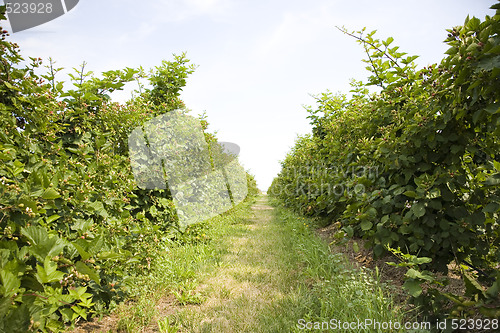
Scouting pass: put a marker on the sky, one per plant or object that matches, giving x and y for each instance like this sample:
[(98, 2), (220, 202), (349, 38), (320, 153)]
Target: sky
[(259, 62)]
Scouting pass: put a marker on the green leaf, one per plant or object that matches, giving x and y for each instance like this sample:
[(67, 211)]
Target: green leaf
[(68, 315), (388, 41), (5, 303), (30, 204), (433, 194), (98, 207), (472, 286), (492, 207), (164, 202), (48, 273), (109, 255), (493, 108), (489, 64), (82, 225), (420, 260), (50, 194), (378, 250), (10, 282), (84, 254), (81, 312), (79, 293), (96, 245), (413, 274), (371, 212), (418, 209), (473, 23), (355, 247), (84, 269), (10, 86), (444, 225), (73, 150), (349, 231), (36, 235), (472, 47), (86, 303), (490, 312), (42, 244), (413, 287), (52, 218), (494, 289), (17, 320), (455, 149), (452, 50), (494, 180), (410, 194), (436, 204), (366, 225), (359, 188)]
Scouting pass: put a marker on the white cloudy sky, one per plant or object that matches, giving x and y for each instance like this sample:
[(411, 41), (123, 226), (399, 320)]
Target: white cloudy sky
[(259, 61)]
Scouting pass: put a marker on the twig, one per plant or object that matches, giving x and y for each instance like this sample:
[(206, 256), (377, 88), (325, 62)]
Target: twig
[(371, 44), (478, 270), (374, 68)]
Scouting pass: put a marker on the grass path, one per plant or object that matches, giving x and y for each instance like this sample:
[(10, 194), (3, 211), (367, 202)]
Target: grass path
[(273, 272), (254, 269), (251, 280)]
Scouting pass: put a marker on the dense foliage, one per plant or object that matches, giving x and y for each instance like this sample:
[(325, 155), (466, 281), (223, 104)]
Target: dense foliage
[(414, 167), (74, 227)]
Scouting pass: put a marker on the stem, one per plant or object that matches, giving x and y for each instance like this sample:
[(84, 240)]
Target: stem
[(478, 270), (52, 74), (82, 76), (374, 68), (371, 44)]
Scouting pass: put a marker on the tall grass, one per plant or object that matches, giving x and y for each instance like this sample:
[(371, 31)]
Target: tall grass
[(330, 290)]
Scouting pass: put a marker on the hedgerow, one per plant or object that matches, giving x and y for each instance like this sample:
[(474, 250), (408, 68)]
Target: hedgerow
[(74, 226), (415, 167)]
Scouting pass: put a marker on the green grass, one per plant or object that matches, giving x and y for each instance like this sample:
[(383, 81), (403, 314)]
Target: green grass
[(258, 270), (176, 269), (327, 287)]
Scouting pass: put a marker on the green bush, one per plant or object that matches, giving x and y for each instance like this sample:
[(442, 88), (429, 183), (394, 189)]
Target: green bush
[(414, 166), (74, 225)]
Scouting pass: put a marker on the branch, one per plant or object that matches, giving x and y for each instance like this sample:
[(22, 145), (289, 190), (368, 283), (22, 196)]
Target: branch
[(371, 44), (52, 74), (374, 68)]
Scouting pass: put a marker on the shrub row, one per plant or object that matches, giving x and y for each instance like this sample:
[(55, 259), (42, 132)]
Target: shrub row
[(74, 226), (414, 166)]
